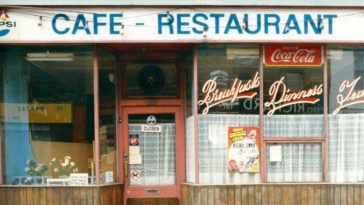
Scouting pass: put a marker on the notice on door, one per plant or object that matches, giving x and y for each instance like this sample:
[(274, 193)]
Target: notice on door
[(151, 128), (135, 159)]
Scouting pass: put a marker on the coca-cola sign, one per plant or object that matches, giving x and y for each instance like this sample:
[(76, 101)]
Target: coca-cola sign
[(276, 55)]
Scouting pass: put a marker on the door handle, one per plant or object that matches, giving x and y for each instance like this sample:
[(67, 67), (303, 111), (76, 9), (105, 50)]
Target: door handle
[(126, 164)]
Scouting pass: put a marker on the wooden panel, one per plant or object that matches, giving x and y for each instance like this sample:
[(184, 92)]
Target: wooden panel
[(356, 194), (9, 196), (153, 201), (217, 196), (223, 195), (231, 195), (280, 194), (323, 194), (265, 195), (237, 195), (251, 195), (244, 195), (43, 196), (350, 195), (60, 195), (310, 195), (271, 194), (203, 195), (210, 196)]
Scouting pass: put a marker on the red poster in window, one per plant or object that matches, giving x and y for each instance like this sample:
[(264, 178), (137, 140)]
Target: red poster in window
[(293, 55), (243, 148)]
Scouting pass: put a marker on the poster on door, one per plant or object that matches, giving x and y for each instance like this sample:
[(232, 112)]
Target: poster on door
[(243, 148)]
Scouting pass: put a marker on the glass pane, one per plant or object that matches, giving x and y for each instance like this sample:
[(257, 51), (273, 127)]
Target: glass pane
[(228, 79), (189, 120), (293, 100), (228, 96), (294, 162), (46, 112), (346, 113), (107, 100), (152, 149), (151, 79)]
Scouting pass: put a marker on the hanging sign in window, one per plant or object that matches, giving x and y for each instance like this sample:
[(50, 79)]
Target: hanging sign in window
[(292, 56), (243, 148), (151, 125)]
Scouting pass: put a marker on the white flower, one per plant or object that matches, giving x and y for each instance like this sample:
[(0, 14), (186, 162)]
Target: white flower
[(54, 159), (55, 170), (72, 164), (50, 163), (67, 157), (66, 161), (63, 164)]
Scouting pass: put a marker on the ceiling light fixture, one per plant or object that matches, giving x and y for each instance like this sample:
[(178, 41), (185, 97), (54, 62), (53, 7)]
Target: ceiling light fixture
[(48, 56)]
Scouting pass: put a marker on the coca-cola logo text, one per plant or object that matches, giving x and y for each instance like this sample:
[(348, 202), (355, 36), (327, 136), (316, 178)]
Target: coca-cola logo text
[(297, 56)]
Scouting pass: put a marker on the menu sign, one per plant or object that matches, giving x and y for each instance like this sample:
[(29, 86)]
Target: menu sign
[(293, 55)]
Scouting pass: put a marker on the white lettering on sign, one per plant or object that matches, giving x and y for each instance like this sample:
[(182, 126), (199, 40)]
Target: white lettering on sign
[(348, 96), (151, 128), (297, 56), (238, 89), (290, 98)]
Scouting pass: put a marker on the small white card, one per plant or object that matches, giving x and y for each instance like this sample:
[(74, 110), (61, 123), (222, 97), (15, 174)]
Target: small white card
[(78, 179), (109, 177), (275, 153), (134, 150), (135, 159)]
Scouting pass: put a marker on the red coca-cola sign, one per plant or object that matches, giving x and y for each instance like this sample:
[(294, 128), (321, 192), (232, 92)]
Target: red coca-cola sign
[(292, 55)]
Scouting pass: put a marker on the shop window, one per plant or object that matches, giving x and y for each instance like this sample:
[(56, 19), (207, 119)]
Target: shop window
[(293, 109), (46, 113), (107, 113), (346, 113), (187, 62), (294, 162), (228, 99)]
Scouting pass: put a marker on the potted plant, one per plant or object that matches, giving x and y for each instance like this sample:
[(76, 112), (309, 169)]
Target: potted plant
[(34, 169)]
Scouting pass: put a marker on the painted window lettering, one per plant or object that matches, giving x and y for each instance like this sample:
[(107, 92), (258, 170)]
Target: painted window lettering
[(348, 95), (287, 98), (238, 90)]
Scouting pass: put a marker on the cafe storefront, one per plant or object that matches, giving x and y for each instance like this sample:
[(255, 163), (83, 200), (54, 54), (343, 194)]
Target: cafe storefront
[(181, 105)]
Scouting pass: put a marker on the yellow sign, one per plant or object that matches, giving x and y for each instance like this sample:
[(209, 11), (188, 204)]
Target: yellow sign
[(36, 113)]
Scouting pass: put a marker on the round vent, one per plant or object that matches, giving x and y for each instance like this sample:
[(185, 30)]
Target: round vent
[(151, 79)]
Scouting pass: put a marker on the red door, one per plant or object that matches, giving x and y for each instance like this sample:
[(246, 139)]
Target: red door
[(152, 144)]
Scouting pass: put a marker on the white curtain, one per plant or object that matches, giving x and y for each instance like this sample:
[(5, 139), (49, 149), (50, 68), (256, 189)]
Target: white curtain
[(190, 150), (158, 156), (346, 148), (300, 163), (294, 126), (213, 148)]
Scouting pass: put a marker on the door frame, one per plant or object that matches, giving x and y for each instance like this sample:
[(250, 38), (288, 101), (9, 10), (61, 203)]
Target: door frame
[(166, 191)]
